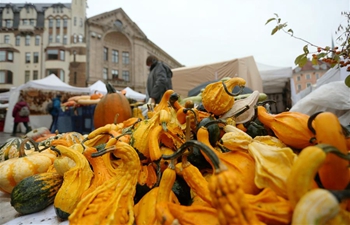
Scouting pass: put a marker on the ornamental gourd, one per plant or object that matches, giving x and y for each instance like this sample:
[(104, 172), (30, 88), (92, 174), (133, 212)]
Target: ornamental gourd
[(215, 97), (14, 170), (112, 108)]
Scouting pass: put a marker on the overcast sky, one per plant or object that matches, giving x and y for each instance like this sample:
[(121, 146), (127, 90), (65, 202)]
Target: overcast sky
[(196, 32)]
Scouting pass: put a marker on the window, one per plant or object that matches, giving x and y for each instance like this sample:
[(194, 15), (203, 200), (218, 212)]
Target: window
[(27, 40), (308, 76), (62, 53), (65, 39), (317, 76), (35, 57), (50, 38), (298, 78), (81, 22), (80, 38), (52, 71), (58, 39), (114, 56), (27, 9), (35, 75), (125, 58), (55, 54), (105, 73), (27, 57), (37, 40), (5, 77), (52, 54), (50, 22), (25, 22), (65, 22), (58, 23), (308, 84), (75, 21), (26, 76), (114, 74), (18, 40), (118, 24), (2, 56), (8, 23), (6, 56), (105, 54), (75, 38), (125, 75), (299, 87), (7, 39), (62, 75), (32, 22), (10, 56)]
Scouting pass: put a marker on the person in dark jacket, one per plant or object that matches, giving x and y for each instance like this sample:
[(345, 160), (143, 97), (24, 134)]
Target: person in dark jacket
[(158, 81), (18, 118), (55, 111)]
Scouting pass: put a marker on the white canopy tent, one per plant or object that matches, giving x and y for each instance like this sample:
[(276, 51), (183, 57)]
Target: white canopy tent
[(98, 86), (5, 96), (130, 93), (52, 83), (274, 78)]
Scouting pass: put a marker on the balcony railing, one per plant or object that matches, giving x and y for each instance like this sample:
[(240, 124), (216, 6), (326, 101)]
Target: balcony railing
[(26, 28)]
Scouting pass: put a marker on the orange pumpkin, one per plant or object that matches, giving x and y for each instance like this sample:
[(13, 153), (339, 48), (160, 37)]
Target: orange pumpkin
[(112, 108)]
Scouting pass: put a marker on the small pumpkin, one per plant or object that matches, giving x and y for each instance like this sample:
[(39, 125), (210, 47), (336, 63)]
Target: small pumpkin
[(96, 95), (112, 108), (10, 149)]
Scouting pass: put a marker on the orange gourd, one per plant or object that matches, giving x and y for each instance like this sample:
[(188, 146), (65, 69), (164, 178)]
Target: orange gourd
[(112, 108), (290, 127)]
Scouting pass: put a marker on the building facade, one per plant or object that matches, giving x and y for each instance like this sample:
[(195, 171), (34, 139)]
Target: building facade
[(308, 75), (118, 50), (40, 39)]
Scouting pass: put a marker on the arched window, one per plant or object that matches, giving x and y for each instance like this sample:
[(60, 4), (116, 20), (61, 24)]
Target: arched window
[(118, 24), (37, 40), (18, 40)]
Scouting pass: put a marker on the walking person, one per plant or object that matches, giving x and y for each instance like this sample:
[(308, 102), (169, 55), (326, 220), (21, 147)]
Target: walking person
[(55, 111), (158, 81), (20, 113)]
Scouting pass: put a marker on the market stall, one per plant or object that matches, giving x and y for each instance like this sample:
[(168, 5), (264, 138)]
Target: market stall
[(38, 93)]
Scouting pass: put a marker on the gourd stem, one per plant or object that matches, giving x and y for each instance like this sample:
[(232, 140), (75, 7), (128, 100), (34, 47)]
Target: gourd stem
[(341, 194), (331, 149), (173, 98), (185, 110), (190, 143), (110, 88), (21, 148), (310, 120), (103, 151), (218, 121), (53, 148), (232, 94)]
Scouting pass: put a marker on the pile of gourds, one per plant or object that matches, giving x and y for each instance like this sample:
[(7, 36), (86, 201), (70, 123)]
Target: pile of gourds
[(183, 165)]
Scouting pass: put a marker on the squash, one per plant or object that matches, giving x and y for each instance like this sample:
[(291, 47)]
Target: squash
[(301, 177), (37, 133), (76, 180), (36, 192), (96, 95), (14, 170), (112, 202), (215, 97), (290, 127), (334, 173), (10, 149), (110, 106)]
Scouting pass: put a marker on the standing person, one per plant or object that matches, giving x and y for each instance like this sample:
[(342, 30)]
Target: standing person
[(20, 113), (55, 111), (158, 81)]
